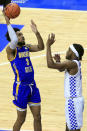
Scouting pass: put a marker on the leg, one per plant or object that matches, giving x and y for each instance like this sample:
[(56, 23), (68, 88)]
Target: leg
[(67, 128), (21, 115), (36, 111)]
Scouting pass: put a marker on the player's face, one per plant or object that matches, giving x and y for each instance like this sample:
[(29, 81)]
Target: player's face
[(69, 54), (21, 38)]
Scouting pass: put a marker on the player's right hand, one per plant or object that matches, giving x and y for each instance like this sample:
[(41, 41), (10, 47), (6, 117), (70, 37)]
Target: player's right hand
[(51, 39), (34, 27)]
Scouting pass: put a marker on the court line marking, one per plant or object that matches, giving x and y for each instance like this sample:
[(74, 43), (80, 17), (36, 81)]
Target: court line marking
[(34, 57)]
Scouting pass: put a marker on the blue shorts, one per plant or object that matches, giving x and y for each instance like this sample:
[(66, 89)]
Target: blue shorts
[(25, 94)]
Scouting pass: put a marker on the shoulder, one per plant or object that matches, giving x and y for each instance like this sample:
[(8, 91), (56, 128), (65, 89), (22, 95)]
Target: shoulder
[(72, 67), (11, 53), (76, 61), (70, 64), (9, 50)]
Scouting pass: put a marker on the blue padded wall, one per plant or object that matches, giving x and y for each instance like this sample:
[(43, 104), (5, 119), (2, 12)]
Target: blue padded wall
[(3, 30), (57, 4)]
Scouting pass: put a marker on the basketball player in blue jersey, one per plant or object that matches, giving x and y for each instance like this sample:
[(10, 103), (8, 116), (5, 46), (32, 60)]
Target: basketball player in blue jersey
[(25, 91), (72, 84)]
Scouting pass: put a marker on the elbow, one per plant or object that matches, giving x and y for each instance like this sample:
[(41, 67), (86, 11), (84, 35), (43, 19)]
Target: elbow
[(50, 65), (61, 70), (42, 47)]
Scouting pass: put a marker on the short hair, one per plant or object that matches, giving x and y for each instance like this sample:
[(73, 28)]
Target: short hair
[(7, 34), (79, 49)]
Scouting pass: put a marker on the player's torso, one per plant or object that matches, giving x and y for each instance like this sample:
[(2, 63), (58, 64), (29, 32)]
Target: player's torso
[(73, 83), (22, 66)]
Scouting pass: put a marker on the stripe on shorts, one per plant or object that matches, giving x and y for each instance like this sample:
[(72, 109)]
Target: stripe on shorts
[(72, 114)]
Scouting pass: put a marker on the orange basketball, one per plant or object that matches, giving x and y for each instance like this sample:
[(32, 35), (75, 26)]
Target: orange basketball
[(12, 10)]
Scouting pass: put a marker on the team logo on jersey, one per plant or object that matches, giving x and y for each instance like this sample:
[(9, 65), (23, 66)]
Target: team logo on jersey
[(23, 54)]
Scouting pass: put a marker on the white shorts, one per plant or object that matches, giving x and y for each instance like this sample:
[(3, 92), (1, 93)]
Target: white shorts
[(74, 112)]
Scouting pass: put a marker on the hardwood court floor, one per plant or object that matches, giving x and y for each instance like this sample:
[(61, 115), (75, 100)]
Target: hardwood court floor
[(69, 27)]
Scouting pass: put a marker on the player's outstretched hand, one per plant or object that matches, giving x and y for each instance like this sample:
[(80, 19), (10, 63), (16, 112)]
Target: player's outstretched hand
[(57, 57), (51, 39), (6, 18), (33, 27)]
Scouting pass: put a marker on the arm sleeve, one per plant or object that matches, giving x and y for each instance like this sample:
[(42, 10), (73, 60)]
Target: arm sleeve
[(13, 37)]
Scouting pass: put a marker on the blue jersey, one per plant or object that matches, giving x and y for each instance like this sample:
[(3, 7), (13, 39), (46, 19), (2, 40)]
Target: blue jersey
[(22, 66)]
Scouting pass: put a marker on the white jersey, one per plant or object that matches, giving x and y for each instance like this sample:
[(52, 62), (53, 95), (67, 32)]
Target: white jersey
[(73, 83)]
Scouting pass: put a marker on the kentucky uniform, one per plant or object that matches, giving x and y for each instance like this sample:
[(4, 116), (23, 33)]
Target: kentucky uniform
[(24, 87), (74, 100)]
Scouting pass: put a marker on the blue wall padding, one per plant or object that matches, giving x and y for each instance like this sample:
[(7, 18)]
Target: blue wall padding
[(4, 130), (3, 30), (57, 4)]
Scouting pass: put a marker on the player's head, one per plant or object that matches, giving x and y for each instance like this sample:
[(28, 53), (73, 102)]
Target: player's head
[(75, 51), (21, 39)]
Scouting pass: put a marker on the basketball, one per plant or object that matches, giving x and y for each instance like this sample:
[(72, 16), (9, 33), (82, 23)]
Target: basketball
[(12, 10)]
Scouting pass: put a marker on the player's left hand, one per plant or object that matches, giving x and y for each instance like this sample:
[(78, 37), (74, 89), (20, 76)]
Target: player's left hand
[(57, 58), (51, 39), (33, 27)]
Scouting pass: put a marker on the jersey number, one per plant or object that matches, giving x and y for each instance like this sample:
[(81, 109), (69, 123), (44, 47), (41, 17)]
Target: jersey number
[(27, 61)]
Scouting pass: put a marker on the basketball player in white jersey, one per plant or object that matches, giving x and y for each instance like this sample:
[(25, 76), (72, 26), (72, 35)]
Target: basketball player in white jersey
[(72, 84)]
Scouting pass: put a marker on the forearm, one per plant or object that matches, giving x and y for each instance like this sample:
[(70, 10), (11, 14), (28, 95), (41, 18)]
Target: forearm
[(7, 20), (40, 41), (12, 36), (11, 32), (50, 61)]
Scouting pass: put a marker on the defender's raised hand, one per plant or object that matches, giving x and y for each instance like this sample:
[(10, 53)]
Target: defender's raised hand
[(51, 39), (33, 27)]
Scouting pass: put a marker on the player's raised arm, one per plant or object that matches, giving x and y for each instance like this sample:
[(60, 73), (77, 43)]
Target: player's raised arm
[(61, 66), (14, 40), (40, 45)]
